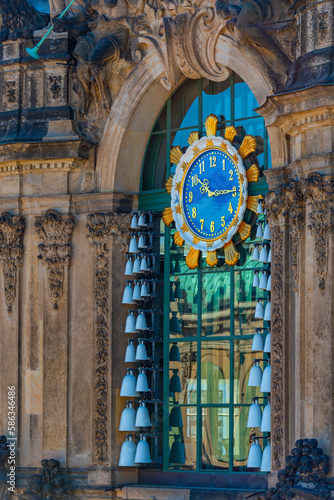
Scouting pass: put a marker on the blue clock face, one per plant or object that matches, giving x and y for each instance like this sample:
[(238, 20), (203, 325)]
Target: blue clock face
[(211, 194)]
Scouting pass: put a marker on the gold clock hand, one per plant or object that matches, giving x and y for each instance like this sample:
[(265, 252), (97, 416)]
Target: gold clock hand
[(218, 192), (205, 187)]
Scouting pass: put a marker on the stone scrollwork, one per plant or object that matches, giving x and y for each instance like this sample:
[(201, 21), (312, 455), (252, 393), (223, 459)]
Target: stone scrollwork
[(11, 250), (319, 191), (55, 232), (101, 228)]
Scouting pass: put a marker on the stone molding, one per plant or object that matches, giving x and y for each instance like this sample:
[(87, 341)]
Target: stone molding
[(103, 228), (55, 232), (11, 251)]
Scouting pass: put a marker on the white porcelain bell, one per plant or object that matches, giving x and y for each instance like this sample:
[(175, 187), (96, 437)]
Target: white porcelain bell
[(127, 422), (134, 222), (128, 294), (128, 267), (259, 310), (130, 323), (255, 255), (127, 455), (136, 291), (142, 417), (144, 289), (136, 265), (256, 280), (128, 387), (254, 414), (142, 385), (264, 254), (143, 264), (133, 247), (259, 232), (141, 353), (255, 375), (266, 380), (265, 463), (259, 206), (269, 283), (266, 233), (257, 344), (130, 353), (254, 455), (269, 256), (267, 312), (141, 241), (265, 424), (267, 344), (141, 323), (263, 280), (143, 452), (141, 220)]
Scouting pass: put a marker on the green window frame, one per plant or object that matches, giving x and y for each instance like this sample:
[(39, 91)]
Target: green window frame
[(217, 326)]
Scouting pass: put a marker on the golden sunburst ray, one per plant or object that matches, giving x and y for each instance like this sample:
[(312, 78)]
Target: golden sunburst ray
[(210, 125), (178, 240), (175, 155), (252, 203), (193, 137), (167, 216), (230, 133), (248, 146), (253, 173), (244, 230), (231, 254), (211, 258), (169, 184), (192, 259)]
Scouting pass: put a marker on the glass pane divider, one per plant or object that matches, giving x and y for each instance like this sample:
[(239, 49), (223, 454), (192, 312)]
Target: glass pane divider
[(165, 444), (231, 422)]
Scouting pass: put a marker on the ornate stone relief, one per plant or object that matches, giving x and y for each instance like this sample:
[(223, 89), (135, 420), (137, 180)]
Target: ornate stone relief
[(319, 191), (50, 483), (55, 82), (55, 232), (102, 227), (11, 250), (19, 19)]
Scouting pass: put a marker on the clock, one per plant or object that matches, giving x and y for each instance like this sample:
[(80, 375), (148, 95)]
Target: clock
[(209, 194)]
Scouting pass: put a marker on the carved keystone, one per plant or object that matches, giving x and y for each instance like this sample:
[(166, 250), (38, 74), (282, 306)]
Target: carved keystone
[(11, 250), (55, 231)]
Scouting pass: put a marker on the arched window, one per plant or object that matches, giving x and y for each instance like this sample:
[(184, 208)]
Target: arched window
[(208, 313)]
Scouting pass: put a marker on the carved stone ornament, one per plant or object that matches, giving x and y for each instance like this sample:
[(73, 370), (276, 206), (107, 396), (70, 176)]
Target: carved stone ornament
[(19, 19), (49, 483), (319, 191), (55, 232), (11, 250), (102, 227)]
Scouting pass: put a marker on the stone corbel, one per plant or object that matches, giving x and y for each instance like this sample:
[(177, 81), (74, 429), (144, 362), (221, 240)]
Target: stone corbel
[(319, 191), (103, 228), (11, 250), (55, 232)]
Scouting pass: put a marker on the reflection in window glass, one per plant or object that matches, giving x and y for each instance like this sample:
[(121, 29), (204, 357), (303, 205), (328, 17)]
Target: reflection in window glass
[(216, 302), (215, 438), (242, 437), (183, 373), (217, 97), (185, 106), (243, 361), (183, 305), (245, 101), (183, 439), (215, 372)]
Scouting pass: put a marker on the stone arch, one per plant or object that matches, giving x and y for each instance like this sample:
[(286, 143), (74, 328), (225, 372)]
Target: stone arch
[(127, 130)]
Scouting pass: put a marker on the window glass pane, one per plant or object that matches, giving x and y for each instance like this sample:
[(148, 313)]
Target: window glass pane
[(243, 362), (245, 101), (162, 121), (182, 440), (215, 372), (242, 438), (185, 106), (178, 257), (183, 306), (215, 438), (254, 127), (216, 299), (183, 373), (216, 98), (154, 173), (245, 299)]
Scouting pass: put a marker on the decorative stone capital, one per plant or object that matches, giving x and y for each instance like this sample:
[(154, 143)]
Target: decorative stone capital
[(319, 191), (103, 226), (11, 250), (55, 232)]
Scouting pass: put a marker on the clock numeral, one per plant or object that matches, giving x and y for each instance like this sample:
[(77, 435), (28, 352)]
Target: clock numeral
[(213, 161), (202, 223), (194, 212), (224, 164), (230, 208), (212, 226), (223, 221), (231, 175), (190, 196), (194, 180), (201, 167)]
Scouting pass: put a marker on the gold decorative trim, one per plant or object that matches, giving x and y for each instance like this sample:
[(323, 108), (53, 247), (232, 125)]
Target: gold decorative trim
[(184, 166), (210, 125), (178, 209), (244, 230), (253, 173), (193, 137), (252, 203), (230, 133), (178, 240), (235, 158), (196, 240), (184, 228), (223, 146), (178, 187), (231, 254), (212, 259), (248, 146), (209, 143), (196, 150), (167, 216), (169, 184), (175, 155), (192, 259)]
